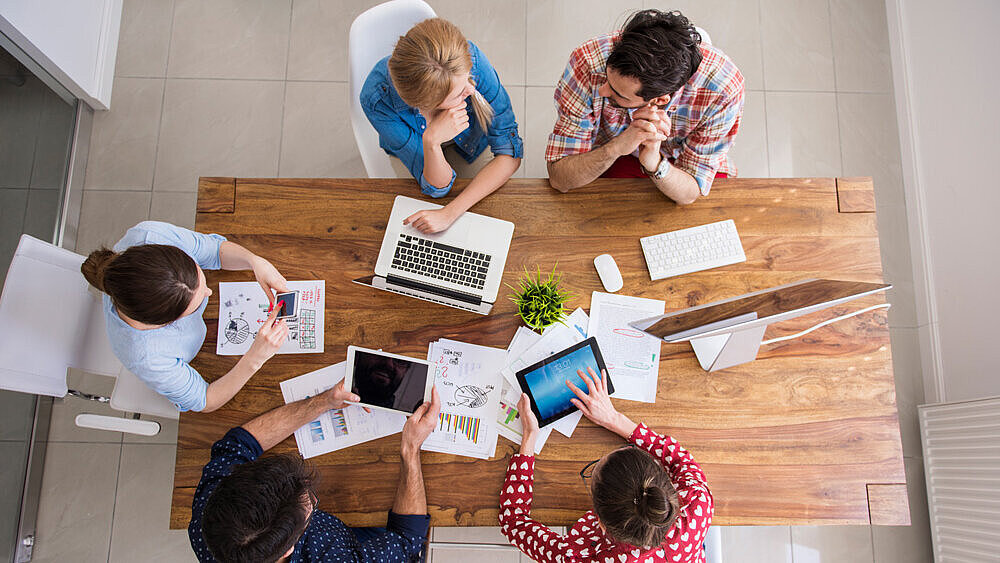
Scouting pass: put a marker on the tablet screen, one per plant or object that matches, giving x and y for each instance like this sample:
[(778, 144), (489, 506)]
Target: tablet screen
[(546, 381), (391, 383)]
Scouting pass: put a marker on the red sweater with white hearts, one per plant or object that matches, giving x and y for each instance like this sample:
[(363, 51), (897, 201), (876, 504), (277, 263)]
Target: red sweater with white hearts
[(586, 542)]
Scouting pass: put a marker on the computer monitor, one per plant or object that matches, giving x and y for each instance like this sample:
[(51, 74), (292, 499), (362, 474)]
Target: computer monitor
[(728, 333)]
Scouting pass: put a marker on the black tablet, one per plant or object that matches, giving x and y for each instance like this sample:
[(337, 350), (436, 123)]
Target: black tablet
[(388, 381), (545, 382)]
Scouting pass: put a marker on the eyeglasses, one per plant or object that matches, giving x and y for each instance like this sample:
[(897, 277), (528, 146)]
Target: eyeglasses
[(588, 470)]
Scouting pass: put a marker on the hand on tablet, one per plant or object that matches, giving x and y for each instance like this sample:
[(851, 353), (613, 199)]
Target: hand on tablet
[(596, 403), (269, 278), (421, 423), (337, 396), (529, 425), (271, 335)]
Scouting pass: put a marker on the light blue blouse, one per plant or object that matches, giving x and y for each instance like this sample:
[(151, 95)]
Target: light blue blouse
[(160, 356)]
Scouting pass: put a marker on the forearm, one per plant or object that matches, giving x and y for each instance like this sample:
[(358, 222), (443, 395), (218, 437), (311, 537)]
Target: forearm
[(679, 186), (437, 171), (487, 181), (226, 387), (235, 257), (571, 172), (410, 495), (621, 425), (272, 427)]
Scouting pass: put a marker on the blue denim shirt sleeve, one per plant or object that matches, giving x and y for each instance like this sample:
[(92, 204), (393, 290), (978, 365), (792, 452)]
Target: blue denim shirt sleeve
[(395, 135), (502, 134)]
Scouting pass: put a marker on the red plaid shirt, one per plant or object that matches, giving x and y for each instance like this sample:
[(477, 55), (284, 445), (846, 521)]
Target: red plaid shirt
[(705, 114)]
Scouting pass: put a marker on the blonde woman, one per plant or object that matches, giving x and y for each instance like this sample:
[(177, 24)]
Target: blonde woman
[(437, 87)]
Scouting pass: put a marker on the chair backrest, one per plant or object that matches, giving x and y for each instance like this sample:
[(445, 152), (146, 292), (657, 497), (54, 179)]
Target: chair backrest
[(49, 321), (373, 35), (705, 37)]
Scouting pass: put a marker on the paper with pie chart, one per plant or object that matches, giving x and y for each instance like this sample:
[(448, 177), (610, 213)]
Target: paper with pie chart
[(632, 356), (243, 309), (467, 377)]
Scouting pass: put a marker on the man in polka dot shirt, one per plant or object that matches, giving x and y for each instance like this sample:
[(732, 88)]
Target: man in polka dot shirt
[(248, 509)]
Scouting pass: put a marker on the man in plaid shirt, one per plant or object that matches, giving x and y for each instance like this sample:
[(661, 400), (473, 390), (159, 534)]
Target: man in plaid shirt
[(651, 100)]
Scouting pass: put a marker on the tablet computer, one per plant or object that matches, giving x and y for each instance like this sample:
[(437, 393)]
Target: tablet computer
[(545, 381), (388, 381)]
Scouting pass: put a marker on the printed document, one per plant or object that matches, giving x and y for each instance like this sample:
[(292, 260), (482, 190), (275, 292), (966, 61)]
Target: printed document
[(468, 381), (632, 356), (243, 308), (338, 428)]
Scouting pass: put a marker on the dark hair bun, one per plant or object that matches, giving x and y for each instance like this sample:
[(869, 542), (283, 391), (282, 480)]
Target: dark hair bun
[(94, 267), (653, 506)]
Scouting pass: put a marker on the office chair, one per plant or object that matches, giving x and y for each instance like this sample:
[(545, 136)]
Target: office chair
[(373, 35), (50, 321)]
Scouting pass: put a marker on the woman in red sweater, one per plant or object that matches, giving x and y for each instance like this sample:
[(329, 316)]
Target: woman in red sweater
[(651, 501)]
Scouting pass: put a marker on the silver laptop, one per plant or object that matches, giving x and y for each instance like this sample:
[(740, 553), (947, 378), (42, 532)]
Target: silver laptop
[(461, 267)]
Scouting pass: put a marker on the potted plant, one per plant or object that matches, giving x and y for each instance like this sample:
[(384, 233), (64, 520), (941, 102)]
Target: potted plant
[(540, 302)]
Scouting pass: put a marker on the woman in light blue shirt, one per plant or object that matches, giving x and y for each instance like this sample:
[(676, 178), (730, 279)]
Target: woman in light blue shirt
[(421, 97), (154, 296)]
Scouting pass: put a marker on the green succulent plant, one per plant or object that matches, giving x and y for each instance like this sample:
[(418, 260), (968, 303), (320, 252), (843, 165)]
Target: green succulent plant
[(540, 303)]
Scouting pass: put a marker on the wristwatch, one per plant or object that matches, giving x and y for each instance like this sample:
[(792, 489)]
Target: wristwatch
[(661, 170)]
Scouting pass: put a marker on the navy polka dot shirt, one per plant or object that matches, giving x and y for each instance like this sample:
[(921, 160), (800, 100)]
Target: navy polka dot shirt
[(327, 538)]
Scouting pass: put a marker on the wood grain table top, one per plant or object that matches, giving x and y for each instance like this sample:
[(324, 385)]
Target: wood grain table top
[(806, 434)]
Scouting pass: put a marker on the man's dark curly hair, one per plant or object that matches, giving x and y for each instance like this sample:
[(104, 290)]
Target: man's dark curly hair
[(257, 512), (660, 49)]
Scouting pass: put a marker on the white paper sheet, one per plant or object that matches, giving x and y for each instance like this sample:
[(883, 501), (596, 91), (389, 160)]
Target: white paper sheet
[(469, 383), (632, 356), (243, 309), (339, 428), (554, 339)]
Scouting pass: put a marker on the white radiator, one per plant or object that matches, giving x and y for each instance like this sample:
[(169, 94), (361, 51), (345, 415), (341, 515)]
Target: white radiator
[(961, 444)]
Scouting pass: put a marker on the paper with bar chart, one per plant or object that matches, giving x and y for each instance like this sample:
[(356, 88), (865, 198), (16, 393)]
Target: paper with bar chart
[(338, 428), (243, 308), (632, 356), (468, 381)]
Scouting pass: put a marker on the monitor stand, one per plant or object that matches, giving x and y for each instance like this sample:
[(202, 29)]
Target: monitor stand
[(730, 349)]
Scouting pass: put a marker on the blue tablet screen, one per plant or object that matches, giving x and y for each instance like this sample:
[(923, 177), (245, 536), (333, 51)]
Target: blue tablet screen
[(548, 383)]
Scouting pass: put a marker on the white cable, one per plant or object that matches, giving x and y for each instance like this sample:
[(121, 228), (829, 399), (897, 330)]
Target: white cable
[(824, 323)]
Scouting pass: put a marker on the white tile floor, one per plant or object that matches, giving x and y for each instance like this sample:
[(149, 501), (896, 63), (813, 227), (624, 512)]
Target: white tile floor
[(258, 88)]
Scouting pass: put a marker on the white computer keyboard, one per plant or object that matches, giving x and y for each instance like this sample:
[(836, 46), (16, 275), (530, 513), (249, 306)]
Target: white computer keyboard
[(692, 250)]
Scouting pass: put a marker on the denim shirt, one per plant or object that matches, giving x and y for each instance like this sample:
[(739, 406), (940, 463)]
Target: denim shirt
[(400, 127)]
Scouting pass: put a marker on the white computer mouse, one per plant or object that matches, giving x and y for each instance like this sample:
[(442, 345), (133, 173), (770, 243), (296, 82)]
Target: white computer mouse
[(608, 270)]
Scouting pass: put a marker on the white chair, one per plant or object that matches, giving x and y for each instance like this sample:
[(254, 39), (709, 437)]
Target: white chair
[(705, 38), (713, 545), (50, 321), (373, 35)]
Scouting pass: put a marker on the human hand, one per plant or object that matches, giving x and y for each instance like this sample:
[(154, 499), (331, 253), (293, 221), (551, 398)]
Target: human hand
[(269, 278), (420, 424), (649, 151), (656, 116), (638, 132), (429, 221), (596, 403), (529, 425), (446, 124), (336, 397), (271, 335)]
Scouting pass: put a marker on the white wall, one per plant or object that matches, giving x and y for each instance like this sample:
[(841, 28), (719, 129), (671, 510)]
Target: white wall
[(945, 65), (73, 40)]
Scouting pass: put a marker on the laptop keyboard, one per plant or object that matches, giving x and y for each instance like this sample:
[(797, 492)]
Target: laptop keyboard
[(441, 261)]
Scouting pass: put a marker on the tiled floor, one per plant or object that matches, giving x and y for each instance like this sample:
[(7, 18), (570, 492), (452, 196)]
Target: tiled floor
[(258, 88)]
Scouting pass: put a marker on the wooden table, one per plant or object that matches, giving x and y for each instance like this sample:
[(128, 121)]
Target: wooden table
[(807, 434)]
